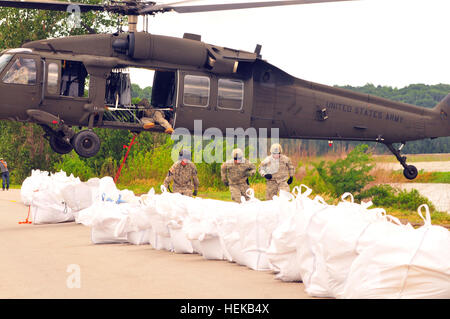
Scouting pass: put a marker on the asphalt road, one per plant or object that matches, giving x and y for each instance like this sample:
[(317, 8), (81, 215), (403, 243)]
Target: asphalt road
[(59, 261)]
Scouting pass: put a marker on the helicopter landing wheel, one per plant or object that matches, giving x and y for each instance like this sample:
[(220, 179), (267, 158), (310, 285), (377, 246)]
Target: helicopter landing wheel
[(59, 146), (86, 143), (410, 172)]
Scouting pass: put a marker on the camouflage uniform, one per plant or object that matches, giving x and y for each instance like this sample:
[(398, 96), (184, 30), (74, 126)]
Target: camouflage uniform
[(281, 170), (153, 116), (20, 76), (235, 176), (184, 178)]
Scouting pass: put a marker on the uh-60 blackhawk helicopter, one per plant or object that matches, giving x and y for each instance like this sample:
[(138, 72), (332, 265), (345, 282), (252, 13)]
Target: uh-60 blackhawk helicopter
[(225, 88)]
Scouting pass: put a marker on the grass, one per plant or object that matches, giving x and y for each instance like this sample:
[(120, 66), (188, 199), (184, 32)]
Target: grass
[(413, 158)]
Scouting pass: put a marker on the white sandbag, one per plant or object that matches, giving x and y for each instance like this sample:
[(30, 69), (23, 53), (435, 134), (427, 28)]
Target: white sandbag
[(203, 222), (334, 230), (157, 217), (414, 263), (110, 223), (196, 248), (256, 222), (48, 208), (311, 263), (180, 243), (77, 196), (39, 180), (104, 235), (230, 238), (347, 237), (282, 251), (140, 237), (107, 189), (212, 248)]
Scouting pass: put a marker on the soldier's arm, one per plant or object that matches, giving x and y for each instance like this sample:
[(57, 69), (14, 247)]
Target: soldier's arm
[(195, 178), (223, 173), (291, 167), (169, 178), (251, 169), (262, 167)]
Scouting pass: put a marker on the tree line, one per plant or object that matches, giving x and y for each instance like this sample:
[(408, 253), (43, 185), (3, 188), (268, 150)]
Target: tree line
[(24, 147)]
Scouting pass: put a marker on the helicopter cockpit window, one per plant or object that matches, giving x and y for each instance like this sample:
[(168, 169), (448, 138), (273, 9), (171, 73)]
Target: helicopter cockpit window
[(52, 78), (196, 90), (230, 94), (4, 60), (73, 78), (23, 71)]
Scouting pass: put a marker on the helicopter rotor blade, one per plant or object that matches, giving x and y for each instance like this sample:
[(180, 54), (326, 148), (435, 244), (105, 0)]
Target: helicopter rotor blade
[(228, 6), (50, 5)]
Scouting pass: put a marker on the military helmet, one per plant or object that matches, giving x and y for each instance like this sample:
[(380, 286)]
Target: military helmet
[(276, 149), (184, 154), (237, 154)]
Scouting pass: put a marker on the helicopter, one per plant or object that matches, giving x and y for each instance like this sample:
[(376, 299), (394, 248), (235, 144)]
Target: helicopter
[(82, 81)]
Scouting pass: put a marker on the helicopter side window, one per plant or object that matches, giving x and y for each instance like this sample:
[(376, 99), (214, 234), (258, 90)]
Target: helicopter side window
[(230, 94), (4, 60), (23, 71), (196, 90), (73, 78), (52, 78)]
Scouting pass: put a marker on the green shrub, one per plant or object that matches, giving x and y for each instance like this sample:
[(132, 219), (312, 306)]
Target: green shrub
[(72, 164), (350, 174), (388, 196)]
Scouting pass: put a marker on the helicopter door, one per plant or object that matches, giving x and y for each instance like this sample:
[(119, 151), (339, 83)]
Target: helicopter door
[(220, 102), (20, 86), (66, 89), (194, 101)]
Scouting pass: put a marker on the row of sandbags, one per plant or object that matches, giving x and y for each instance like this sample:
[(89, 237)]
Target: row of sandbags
[(347, 250)]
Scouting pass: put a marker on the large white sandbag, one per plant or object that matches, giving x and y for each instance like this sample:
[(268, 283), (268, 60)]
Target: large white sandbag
[(347, 237), (408, 264), (282, 251), (334, 230), (181, 244), (255, 225), (77, 196), (228, 231), (39, 180), (48, 208), (140, 237), (211, 248), (154, 207), (107, 189), (110, 222), (311, 263), (202, 224)]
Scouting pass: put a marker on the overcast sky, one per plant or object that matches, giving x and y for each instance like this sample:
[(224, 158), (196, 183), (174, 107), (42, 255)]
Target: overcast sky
[(383, 42)]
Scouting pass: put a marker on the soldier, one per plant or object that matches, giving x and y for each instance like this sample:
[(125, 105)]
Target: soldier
[(19, 74), (235, 174), (278, 171), (183, 173), (153, 115), (5, 173)]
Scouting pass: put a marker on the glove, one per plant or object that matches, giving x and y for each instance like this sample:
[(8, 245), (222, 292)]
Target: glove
[(247, 181), (226, 184), (268, 176), (289, 181), (194, 193)]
